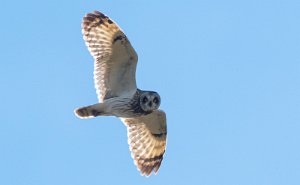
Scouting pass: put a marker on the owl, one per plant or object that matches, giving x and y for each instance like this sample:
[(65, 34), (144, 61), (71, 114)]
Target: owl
[(115, 63)]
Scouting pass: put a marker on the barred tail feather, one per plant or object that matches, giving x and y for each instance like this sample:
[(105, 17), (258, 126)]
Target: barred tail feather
[(90, 111)]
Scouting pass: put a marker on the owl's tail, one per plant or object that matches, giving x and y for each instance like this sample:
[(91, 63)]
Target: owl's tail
[(90, 111)]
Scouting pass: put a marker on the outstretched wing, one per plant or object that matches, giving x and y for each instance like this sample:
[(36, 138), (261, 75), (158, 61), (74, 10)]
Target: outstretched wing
[(115, 59), (147, 140)]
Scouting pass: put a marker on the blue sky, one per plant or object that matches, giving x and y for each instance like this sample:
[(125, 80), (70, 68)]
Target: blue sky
[(228, 73)]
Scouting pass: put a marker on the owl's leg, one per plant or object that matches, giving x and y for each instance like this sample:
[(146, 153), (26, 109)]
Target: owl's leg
[(91, 111)]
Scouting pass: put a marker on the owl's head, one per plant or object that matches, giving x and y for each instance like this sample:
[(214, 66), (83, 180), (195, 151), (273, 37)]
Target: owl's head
[(149, 101)]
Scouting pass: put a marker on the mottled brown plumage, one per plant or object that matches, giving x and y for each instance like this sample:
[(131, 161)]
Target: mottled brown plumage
[(115, 63), (115, 59), (147, 140)]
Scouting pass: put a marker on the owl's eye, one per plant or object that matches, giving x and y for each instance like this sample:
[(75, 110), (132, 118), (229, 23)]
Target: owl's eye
[(145, 99), (155, 100)]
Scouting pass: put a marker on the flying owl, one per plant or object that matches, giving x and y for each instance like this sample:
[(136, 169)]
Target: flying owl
[(115, 63)]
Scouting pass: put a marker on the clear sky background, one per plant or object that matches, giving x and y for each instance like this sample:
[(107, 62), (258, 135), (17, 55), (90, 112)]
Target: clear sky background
[(228, 73)]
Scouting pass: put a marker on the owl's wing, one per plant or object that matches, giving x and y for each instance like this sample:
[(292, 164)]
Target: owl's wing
[(147, 140), (115, 59)]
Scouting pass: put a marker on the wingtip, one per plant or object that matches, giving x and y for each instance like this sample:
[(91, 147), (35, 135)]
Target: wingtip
[(94, 14), (98, 13), (147, 171), (94, 18)]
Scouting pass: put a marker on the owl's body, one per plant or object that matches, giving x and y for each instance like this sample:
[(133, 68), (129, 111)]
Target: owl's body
[(127, 106), (115, 63)]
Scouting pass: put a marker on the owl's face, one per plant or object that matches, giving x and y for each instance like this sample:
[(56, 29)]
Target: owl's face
[(149, 101)]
